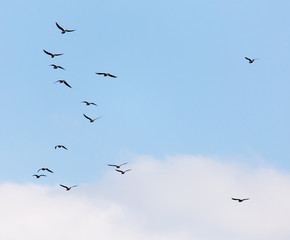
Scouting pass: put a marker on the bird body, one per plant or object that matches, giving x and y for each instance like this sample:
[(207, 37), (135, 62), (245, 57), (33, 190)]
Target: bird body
[(66, 187), (106, 75), (240, 200), (123, 172), (63, 81), (63, 31), (52, 55), (45, 169), (91, 120), (116, 166)]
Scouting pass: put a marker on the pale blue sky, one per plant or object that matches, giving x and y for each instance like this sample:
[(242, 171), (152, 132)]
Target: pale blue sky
[(183, 84)]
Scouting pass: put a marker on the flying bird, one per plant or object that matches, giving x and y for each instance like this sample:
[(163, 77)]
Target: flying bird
[(63, 81), (53, 55), (240, 200), (89, 103), (38, 176), (45, 169), (56, 67), (106, 74), (91, 120), (60, 146), (123, 172), (251, 60), (117, 166), (67, 188), (62, 30)]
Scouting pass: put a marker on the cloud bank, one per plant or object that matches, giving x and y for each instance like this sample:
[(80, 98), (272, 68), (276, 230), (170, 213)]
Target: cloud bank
[(182, 197)]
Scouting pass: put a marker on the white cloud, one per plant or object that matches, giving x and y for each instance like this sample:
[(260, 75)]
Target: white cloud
[(182, 197)]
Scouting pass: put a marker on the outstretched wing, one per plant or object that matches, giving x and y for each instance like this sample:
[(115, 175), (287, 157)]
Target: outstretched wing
[(101, 74), (87, 117), (248, 59), (93, 104), (123, 164), (61, 67), (63, 186), (58, 54), (127, 170), (64, 147), (119, 170), (235, 199), (48, 53), (70, 30), (48, 170), (73, 186), (112, 165), (97, 118), (59, 27), (67, 84), (56, 82), (110, 75), (245, 199)]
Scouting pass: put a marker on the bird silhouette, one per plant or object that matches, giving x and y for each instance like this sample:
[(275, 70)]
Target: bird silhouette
[(53, 55), (45, 169), (38, 176), (56, 67), (91, 120), (240, 200), (63, 31), (251, 60), (123, 172), (63, 81), (60, 146), (106, 75), (117, 166), (67, 188), (89, 103)]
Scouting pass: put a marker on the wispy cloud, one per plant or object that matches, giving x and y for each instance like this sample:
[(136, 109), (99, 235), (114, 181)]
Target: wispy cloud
[(182, 197)]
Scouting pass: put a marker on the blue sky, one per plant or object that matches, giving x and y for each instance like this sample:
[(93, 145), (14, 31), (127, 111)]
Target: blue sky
[(183, 84)]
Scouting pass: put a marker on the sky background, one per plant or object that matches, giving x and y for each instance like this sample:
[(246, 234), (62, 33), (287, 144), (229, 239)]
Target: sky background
[(184, 90)]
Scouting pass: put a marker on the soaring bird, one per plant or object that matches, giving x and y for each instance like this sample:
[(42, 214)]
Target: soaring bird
[(251, 60), (123, 172), (60, 146), (117, 166), (38, 176), (62, 30), (106, 74), (63, 81), (67, 188), (89, 103), (53, 55), (56, 67), (91, 120), (45, 169), (240, 200)]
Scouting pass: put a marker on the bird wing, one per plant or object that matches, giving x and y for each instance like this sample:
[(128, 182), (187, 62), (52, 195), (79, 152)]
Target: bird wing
[(101, 73), (35, 175), (70, 30), (42, 175), (119, 170), (87, 117), (61, 67), (67, 84), (110, 75), (248, 59), (58, 54), (39, 169), (64, 147), (127, 170), (56, 82), (59, 27), (85, 102), (94, 104), (97, 118), (48, 53), (112, 165), (63, 186), (73, 186), (245, 199), (123, 164), (48, 170), (236, 199)]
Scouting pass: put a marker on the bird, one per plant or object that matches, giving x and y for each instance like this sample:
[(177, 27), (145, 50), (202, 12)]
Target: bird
[(60, 146), (91, 120), (45, 169), (62, 30), (56, 67), (240, 200), (117, 166), (89, 103), (68, 188), (123, 172), (251, 60), (53, 55), (106, 74), (63, 81), (38, 176)]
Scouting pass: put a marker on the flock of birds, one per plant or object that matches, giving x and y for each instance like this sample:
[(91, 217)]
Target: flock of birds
[(117, 167), (52, 55)]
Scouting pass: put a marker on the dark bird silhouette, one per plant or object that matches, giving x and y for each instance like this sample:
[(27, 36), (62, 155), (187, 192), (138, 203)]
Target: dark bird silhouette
[(123, 172), (251, 60), (45, 169), (67, 188), (53, 55), (63, 81), (89, 103), (117, 166), (62, 30), (56, 67), (38, 176), (60, 146), (91, 120), (106, 75), (240, 200)]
